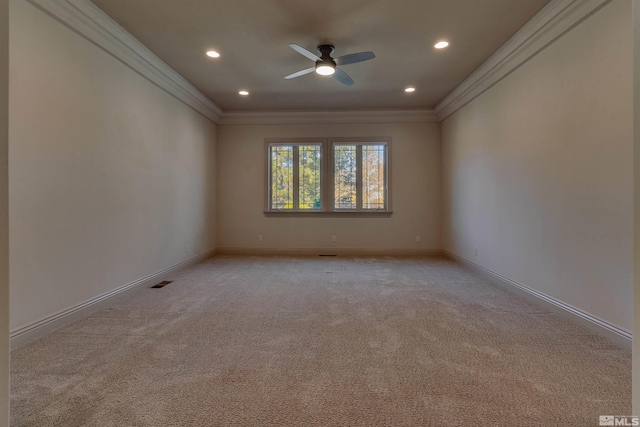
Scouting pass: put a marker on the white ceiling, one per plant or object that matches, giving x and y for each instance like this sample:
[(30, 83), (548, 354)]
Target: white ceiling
[(252, 37)]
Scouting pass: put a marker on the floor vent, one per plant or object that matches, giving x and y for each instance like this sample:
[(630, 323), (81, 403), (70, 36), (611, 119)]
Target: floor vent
[(327, 255), (162, 284)]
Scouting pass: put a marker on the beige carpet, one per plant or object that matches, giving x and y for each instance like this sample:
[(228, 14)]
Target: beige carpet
[(317, 341)]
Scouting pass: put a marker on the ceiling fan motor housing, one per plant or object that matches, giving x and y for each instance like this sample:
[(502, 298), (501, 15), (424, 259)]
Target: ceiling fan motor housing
[(325, 56), (325, 50)]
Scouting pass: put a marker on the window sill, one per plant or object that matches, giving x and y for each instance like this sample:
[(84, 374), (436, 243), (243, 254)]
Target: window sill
[(328, 214)]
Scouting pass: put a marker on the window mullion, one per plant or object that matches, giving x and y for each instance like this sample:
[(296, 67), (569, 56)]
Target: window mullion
[(386, 177), (359, 176), (329, 181), (270, 178), (296, 178)]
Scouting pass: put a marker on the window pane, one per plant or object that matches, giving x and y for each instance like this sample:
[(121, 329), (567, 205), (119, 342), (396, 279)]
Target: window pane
[(309, 176), (345, 176), (373, 176), (281, 177)]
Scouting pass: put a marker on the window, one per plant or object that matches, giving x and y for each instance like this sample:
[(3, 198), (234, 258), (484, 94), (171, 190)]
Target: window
[(360, 176), (354, 179), (295, 176)]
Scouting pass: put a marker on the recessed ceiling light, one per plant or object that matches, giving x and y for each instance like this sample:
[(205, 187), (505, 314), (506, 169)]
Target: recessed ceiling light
[(243, 93), (410, 89), (441, 45), (213, 54)]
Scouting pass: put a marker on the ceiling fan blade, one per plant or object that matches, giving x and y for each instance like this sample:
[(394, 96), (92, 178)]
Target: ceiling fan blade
[(343, 77), (304, 52), (354, 57), (301, 73)]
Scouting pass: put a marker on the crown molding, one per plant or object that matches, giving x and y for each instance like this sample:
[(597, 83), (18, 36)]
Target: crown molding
[(327, 117), (555, 19), (88, 20), (551, 23)]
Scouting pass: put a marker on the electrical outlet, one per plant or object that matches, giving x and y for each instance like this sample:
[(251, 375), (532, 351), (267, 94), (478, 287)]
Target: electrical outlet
[(186, 247), (475, 251), (259, 237), (417, 239), (334, 239)]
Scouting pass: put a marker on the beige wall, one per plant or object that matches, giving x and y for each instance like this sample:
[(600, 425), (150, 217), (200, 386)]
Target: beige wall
[(415, 192), (110, 176), (4, 241), (538, 171), (636, 180)]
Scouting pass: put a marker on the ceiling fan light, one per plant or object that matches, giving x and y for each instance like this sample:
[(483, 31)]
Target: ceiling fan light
[(325, 70)]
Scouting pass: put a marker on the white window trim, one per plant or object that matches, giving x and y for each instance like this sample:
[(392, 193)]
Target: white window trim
[(358, 142), (327, 181), (296, 143)]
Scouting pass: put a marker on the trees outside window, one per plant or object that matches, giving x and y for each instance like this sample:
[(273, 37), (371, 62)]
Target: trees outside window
[(295, 176), (360, 176), (354, 179)]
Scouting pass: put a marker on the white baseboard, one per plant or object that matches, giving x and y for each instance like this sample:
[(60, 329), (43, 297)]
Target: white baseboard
[(38, 328), (601, 327), (329, 251), (24, 334)]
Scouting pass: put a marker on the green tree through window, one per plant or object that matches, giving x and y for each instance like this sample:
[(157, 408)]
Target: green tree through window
[(360, 176), (282, 177), (345, 176), (354, 179), (295, 176), (373, 176), (309, 177)]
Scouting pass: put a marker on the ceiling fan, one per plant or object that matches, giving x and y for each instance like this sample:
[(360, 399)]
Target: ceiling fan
[(326, 65)]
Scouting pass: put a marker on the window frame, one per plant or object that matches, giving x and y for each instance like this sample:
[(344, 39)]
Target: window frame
[(297, 142), (327, 178), (359, 143)]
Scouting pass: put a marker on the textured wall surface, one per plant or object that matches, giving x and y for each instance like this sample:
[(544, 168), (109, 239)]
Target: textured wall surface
[(111, 177), (636, 200), (538, 171), (415, 191), (4, 238)]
